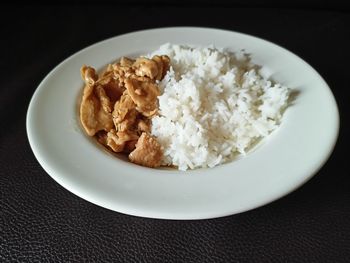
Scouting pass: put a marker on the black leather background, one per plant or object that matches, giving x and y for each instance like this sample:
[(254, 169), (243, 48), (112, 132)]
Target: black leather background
[(42, 222)]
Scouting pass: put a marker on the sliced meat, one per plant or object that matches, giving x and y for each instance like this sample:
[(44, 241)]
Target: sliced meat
[(88, 74), (148, 152), (144, 94), (117, 140), (145, 67), (114, 142), (95, 108), (125, 113)]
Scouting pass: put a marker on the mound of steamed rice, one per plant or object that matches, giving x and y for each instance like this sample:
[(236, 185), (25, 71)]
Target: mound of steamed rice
[(214, 105)]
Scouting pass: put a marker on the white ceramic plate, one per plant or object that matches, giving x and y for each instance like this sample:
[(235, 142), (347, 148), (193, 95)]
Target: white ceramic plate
[(284, 161)]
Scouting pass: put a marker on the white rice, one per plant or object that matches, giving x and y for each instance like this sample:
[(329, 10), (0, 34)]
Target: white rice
[(214, 105)]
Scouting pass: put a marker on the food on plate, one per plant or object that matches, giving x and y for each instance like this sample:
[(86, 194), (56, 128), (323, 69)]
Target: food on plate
[(147, 151), (117, 106), (181, 106)]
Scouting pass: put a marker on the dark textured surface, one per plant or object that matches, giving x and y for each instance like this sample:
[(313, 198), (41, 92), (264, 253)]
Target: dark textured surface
[(42, 222)]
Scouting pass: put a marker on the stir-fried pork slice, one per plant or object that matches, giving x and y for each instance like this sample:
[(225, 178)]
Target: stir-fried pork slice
[(117, 140), (125, 113), (144, 94), (154, 68), (126, 62), (148, 152), (95, 108), (88, 74), (145, 67)]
